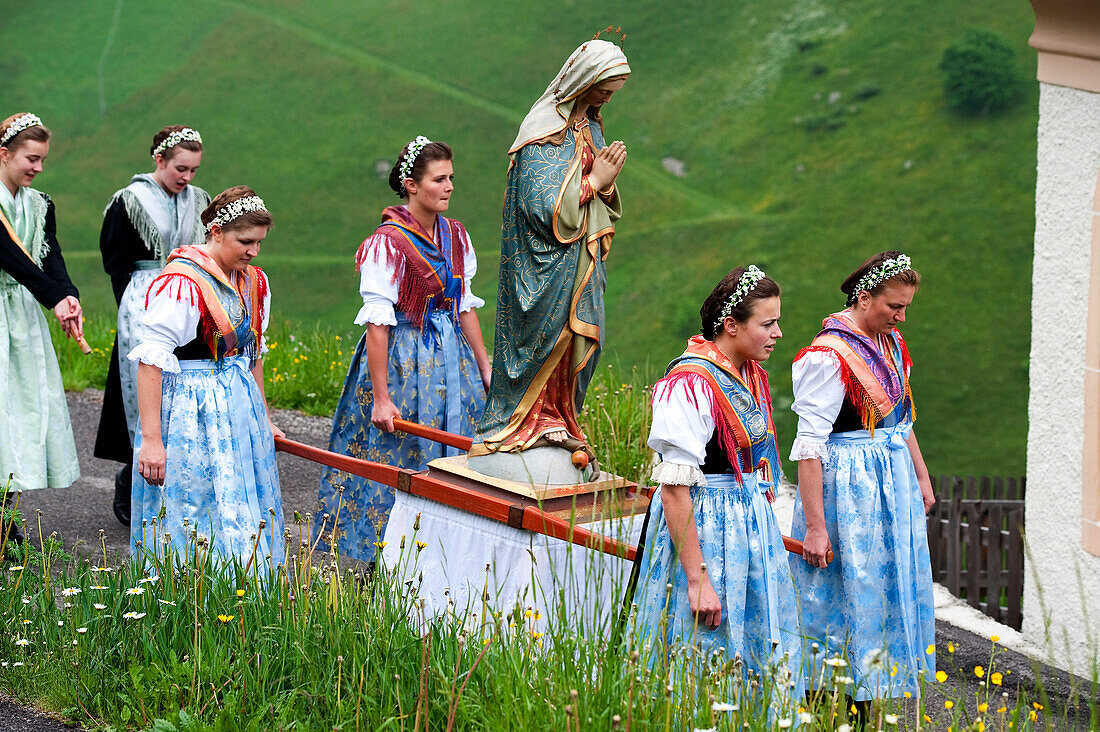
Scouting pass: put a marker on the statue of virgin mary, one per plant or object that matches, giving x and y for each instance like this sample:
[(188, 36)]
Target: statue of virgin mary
[(560, 210)]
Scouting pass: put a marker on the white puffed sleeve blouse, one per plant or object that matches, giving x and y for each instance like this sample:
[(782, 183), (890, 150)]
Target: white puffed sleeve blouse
[(682, 427), (818, 397), (379, 288), (172, 319)]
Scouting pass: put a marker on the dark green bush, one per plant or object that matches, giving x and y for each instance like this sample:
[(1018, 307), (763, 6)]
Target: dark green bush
[(866, 91), (980, 73)]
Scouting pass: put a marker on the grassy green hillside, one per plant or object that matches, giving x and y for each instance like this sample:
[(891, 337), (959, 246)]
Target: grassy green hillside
[(301, 100)]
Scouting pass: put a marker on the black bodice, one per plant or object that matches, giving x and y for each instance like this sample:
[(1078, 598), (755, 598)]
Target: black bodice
[(848, 419), (194, 350), (716, 462)]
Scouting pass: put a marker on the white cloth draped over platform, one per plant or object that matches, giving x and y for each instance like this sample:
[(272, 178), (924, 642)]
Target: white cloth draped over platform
[(553, 578)]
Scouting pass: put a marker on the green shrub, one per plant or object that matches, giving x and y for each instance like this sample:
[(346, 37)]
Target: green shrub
[(866, 91), (980, 73)]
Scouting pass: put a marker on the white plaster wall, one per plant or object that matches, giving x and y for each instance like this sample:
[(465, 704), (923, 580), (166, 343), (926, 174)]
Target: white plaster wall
[(1062, 581)]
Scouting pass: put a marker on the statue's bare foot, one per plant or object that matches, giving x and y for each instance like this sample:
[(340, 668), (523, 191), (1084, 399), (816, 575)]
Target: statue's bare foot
[(558, 437)]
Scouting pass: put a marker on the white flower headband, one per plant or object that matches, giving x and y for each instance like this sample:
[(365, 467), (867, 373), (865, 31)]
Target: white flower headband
[(745, 284), (185, 135), (882, 272), (415, 148), (22, 123), (235, 209)]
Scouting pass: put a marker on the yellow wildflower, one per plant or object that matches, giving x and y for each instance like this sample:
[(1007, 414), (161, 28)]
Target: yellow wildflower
[(948, 704), (979, 671), (240, 593), (225, 618), (930, 649), (982, 707), (995, 638), (995, 678), (941, 676)]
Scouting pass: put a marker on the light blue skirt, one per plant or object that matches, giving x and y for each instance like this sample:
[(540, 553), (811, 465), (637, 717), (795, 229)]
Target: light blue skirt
[(746, 565), (433, 381), (874, 601), (221, 477)]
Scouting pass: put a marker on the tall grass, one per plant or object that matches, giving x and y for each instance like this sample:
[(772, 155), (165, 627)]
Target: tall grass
[(182, 641)]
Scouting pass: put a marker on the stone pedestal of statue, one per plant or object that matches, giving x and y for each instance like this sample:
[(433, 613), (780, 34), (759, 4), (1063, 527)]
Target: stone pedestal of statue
[(537, 466)]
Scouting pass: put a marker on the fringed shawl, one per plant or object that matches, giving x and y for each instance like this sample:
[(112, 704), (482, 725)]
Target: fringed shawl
[(163, 223), (740, 406), (430, 276), (231, 313), (25, 220), (875, 383)]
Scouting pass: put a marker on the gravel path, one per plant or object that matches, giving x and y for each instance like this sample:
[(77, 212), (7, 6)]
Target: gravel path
[(79, 512), (17, 718)]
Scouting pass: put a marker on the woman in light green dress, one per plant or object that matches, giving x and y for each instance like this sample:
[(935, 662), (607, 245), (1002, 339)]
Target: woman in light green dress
[(36, 437)]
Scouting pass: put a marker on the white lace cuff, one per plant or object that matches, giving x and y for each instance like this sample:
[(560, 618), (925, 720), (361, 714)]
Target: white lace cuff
[(377, 313), (805, 449), (469, 302), (155, 355), (677, 474)]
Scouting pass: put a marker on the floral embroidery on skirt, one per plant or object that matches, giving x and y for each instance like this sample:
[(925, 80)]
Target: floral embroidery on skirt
[(874, 602), (221, 475), (747, 566), (433, 381)]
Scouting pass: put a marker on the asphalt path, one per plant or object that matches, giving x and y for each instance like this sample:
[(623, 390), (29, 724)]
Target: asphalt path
[(79, 512)]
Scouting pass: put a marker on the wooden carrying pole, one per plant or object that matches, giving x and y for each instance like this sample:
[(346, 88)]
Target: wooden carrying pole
[(515, 515), (490, 507), (446, 438)]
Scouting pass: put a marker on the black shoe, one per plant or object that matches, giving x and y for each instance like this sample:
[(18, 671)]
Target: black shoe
[(121, 504), (15, 539), (11, 529)]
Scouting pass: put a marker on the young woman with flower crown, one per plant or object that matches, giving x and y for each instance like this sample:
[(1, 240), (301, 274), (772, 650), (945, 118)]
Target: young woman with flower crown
[(714, 572), (153, 216), (36, 436), (863, 487), (422, 357), (205, 451)]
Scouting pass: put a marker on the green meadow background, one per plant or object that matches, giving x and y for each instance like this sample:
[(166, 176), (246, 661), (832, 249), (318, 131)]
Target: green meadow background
[(812, 134)]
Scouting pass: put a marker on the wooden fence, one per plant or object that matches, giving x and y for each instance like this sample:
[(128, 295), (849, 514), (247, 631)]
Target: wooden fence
[(975, 539)]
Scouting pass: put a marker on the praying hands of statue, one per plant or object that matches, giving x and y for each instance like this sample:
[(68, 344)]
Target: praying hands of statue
[(607, 165)]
